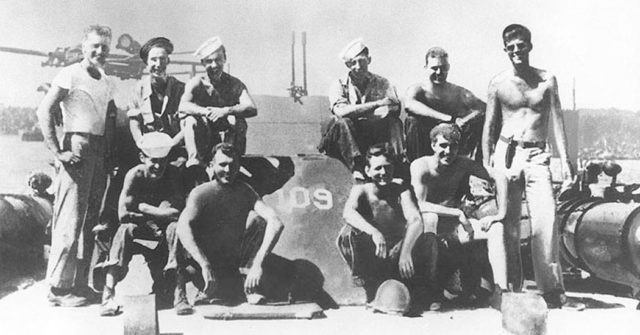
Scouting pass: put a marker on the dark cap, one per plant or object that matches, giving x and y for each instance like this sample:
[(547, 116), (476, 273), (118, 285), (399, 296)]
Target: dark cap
[(161, 42)]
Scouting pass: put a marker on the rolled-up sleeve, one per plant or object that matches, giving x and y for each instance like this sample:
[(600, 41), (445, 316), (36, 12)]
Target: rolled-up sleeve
[(135, 102), (337, 95)]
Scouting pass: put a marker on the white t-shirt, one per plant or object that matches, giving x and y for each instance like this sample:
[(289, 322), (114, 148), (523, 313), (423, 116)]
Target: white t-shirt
[(85, 107)]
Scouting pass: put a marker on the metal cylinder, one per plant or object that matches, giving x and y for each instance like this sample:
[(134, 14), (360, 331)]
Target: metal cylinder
[(603, 238)]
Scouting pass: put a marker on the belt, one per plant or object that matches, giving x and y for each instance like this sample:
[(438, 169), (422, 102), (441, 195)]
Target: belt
[(523, 144)]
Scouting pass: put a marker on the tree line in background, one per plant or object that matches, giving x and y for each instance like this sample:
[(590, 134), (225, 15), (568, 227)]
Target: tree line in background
[(609, 133), (14, 119)]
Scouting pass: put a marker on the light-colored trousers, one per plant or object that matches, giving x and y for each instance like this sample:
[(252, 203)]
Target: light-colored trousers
[(530, 173), (79, 189)]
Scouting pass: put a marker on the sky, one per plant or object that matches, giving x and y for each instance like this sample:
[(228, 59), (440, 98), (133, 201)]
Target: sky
[(594, 42)]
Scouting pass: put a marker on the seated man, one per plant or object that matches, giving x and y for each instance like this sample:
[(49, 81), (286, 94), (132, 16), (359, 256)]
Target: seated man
[(215, 106), (365, 110), (218, 231), (435, 101), (149, 206), (439, 182), (156, 97), (384, 236)]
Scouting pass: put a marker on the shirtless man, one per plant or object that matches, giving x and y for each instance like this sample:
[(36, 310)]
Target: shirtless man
[(435, 101), (523, 100), (384, 237), (211, 229), (365, 110), (438, 181), (215, 106), (148, 208)]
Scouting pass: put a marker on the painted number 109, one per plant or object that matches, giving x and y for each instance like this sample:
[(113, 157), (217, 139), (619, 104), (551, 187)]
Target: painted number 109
[(300, 197)]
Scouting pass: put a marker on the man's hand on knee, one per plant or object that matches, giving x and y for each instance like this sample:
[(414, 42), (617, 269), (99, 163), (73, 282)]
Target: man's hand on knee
[(253, 279), (380, 243), (208, 278), (487, 222), (405, 265)]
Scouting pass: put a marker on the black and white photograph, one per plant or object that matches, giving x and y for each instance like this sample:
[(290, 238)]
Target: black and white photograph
[(319, 167)]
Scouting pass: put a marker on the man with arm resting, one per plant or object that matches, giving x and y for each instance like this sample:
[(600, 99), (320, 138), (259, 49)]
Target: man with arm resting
[(365, 111), (215, 106), (222, 231), (384, 237), (436, 101), (149, 206), (439, 183)]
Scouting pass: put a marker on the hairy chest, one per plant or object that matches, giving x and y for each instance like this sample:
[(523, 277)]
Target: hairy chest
[(515, 95)]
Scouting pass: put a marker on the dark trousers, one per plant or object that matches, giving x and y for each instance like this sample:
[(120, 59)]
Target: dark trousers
[(358, 250), (228, 276), (124, 246), (348, 140)]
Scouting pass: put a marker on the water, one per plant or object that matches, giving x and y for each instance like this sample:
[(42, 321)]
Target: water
[(18, 159)]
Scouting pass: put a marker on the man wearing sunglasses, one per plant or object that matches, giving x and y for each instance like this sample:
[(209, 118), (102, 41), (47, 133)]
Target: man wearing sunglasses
[(521, 102)]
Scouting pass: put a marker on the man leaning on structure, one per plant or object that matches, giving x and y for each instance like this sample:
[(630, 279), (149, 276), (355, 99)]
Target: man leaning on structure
[(85, 94), (365, 110), (156, 97), (521, 102)]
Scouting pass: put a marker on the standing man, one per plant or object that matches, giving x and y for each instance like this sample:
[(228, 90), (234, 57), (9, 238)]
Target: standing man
[(365, 110), (439, 182), (384, 236), (216, 105), (522, 101), (148, 209), (84, 93), (156, 97), (221, 233), (435, 101)]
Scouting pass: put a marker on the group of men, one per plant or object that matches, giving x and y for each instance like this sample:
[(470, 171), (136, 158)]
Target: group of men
[(220, 235), (223, 226), (398, 232)]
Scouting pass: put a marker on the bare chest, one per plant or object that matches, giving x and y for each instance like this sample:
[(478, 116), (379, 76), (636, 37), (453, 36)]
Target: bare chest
[(444, 188), (517, 95), (447, 102)]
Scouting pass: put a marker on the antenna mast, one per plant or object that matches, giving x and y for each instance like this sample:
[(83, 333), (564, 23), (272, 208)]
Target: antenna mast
[(295, 91), (293, 59), (304, 62)]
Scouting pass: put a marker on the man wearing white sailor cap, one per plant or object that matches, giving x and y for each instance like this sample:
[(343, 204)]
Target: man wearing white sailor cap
[(215, 106), (365, 109), (151, 201)]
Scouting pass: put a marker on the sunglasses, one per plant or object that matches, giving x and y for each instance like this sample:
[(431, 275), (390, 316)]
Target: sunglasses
[(512, 47)]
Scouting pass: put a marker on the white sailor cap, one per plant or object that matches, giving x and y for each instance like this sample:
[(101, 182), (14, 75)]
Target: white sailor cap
[(208, 47), (352, 49), (155, 144)]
